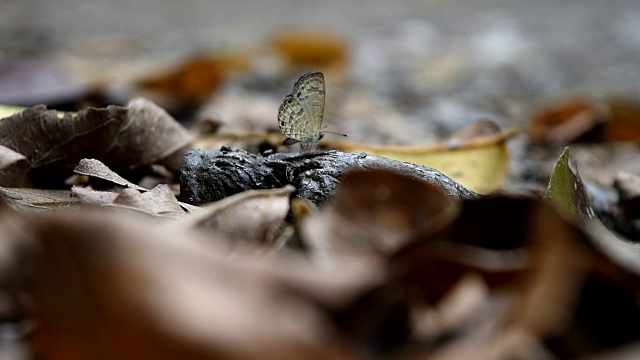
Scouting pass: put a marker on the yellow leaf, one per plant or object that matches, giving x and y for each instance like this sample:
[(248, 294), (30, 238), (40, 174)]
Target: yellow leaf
[(479, 164)]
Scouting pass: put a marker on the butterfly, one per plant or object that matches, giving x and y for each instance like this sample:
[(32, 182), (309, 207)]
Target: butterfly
[(301, 112)]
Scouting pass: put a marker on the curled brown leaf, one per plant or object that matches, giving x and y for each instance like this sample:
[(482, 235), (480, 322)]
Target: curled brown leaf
[(376, 213), (124, 138), (254, 217), (112, 286)]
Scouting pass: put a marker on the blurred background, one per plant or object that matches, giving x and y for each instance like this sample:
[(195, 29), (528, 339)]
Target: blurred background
[(402, 72)]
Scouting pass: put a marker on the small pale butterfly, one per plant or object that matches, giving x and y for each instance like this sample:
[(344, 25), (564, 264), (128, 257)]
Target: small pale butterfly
[(301, 112)]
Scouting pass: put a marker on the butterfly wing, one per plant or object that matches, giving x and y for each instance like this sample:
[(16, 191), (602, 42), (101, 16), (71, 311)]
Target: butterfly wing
[(293, 120), (309, 90), (300, 114)]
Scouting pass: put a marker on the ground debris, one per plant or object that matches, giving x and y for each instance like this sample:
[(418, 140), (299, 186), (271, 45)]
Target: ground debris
[(213, 175)]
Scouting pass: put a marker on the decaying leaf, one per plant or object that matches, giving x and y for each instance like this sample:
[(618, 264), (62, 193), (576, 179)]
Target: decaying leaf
[(192, 82), (581, 119), (109, 286), (238, 111), (95, 168), (625, 120), (375, 213), (311, 49), (479, 163), (539, 271), (158, 201), (124, 138), (29, 200), (13, 168), (93, 197), (601, 162), (254, 217), (569, 121)]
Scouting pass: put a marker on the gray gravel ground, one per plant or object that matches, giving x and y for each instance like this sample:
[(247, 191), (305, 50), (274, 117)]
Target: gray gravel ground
[(440, 63)]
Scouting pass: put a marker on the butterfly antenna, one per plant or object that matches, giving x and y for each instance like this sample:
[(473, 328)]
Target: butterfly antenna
[(331, 132)]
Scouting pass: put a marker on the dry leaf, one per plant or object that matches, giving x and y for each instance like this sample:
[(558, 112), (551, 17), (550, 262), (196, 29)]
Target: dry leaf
[(192, 82), (124, 138), (93, 197), (601, 162), (29, 200), (253, 217), (95, 168), (159, 201), (487, 238), (544, 277), (625, 120), (13, 168), (563, 300), (311, 49), (571, 120), (109, 287), (479, 164), (374, 213), (238, 111)]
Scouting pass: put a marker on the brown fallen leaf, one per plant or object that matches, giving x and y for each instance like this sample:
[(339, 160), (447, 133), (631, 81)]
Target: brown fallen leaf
[(555, 289), (543, 279), (487, 238), (238, 111), (307, 48), (193, 81), (563, 297), (374, 213), (125, 138), (159, 201), (601, 162), (93, 197), (95, 168), (253, 218), (570, 120), (625, 120), (480, 163), (108, 286), (13, 168), (30, 200)]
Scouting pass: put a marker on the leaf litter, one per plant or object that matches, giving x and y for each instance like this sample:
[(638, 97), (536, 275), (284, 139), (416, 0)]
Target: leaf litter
[(387, 267), (125, 138)]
